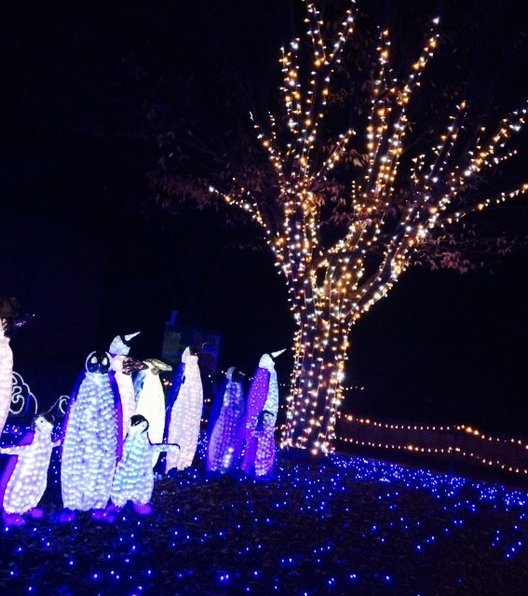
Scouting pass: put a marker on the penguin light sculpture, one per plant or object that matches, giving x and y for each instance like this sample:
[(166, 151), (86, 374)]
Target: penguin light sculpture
[(124, 367), (151, 401), (91, 438), (263, 396), (226, 423), (24, 484), (186, 414), (134, 478)]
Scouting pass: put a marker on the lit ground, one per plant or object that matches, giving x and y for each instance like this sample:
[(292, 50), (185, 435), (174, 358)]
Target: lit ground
[(351, 525)]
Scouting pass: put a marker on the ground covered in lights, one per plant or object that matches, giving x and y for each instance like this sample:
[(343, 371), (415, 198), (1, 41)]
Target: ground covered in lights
[(348, 525)]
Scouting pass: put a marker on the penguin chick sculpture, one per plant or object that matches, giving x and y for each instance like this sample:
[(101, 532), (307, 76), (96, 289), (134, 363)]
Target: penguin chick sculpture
[(151, 401), (90, 446), (26, 482), (134, 478)]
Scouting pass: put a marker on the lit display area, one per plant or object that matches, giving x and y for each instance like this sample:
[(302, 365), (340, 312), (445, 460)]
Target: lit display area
[(349, 525)]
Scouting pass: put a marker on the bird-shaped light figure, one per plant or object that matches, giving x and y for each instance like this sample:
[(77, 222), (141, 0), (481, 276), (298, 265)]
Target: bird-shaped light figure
[(134, 478), (186, 414), (151, 401), (24, 484), (124, 367), (225, 440), (91, 438)]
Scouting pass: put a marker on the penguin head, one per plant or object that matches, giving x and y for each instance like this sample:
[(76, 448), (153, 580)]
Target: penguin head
[(138, 424), (266, 361), (98, 362), (43, 423), (121, 344), (234, 374), (266, 419)]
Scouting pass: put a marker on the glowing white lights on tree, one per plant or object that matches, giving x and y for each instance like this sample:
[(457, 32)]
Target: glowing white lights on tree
[(185, 415), (389, 216), (227, 423), (91, 439), (26, 483), (151, 401), (6, 374), (134, 478), (261, 415)]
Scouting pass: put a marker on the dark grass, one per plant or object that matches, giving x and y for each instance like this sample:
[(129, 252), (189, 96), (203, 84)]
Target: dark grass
[(344, 525)]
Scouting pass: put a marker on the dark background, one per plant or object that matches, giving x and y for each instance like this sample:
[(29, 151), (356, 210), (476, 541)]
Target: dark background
[(79, 250)]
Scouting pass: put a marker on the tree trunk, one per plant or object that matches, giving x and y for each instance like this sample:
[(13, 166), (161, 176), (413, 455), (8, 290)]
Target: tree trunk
[(316, 388)]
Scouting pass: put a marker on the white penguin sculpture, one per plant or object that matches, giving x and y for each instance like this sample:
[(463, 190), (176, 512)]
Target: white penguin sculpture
[(6, 374), (186, 414), (27, 482), (134, 478), (123, 368), (91, 439), (151, 401)]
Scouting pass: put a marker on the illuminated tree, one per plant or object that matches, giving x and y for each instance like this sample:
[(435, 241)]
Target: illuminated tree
[(341, 247)]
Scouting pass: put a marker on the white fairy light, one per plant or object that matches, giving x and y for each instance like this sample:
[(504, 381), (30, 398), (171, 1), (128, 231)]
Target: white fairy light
[(125, 386), (185, 415), (151, 401), (134, 478), (28, 481), (89, 451)]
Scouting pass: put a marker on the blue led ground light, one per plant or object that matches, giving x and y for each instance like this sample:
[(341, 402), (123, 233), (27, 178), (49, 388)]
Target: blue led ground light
[(347, 525)]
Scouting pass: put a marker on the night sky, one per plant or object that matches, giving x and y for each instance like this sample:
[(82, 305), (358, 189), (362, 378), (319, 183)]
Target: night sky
[(79, 249)]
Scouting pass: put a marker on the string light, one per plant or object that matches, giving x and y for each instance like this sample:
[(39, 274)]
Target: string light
[(151, 401), (185, 415), (91, 439), (261, 415), (332, 286), (134, 478), (27, 482), (461, 441), (125, 386), (364, 511), (225, 442)]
